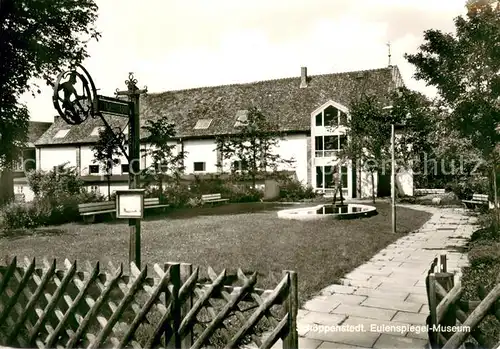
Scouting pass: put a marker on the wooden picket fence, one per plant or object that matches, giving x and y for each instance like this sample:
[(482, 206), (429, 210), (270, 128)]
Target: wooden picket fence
[(46, 307), (452, 320)]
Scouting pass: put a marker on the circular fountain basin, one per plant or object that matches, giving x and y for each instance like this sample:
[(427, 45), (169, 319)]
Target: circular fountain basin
[(348, 211)]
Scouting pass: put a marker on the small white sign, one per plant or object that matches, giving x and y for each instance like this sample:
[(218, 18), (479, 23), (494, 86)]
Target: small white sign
[(130, 203)]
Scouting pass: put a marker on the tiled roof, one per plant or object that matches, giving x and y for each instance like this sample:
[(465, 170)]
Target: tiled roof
[(35, 130), (282, 100)]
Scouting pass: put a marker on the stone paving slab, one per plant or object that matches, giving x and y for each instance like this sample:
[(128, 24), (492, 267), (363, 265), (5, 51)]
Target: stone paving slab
[(329, 290), (418, 335), (388, 303), (320, 305), (361, 283), (405, 288), (331, 345), (411, 318), (346, 298), (367, 312), (375, 293), (388, 289), (319, 318), (417, 298), (387, 341), (379, 326), (356, 338)]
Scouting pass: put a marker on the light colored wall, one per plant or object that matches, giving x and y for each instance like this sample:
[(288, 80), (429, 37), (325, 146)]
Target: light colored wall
[(404, 182), (366, 184), (288, 148), (294, 147), (200, 150), (55, 156)]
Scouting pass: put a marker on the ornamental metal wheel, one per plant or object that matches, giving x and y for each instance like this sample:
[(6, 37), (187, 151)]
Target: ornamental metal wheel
[(74, 98)]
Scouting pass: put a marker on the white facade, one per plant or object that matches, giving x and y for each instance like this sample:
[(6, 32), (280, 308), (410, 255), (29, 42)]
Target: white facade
[(315, 158), (201, 156), (49, 157), (291, 147), (294, 147)]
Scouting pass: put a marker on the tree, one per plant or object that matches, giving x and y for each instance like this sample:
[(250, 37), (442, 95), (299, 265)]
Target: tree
[(167, 163), (368, 133), (451, 159), (253, 147), (38, 38), (414, 116), (464, 67), (107, 151)]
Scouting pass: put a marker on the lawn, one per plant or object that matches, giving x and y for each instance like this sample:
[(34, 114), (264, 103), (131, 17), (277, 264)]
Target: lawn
[(249, 236)]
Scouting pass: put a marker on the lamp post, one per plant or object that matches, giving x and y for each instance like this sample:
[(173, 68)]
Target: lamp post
[(393, 174)]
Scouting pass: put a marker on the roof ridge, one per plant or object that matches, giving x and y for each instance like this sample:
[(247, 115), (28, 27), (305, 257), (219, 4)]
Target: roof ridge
[(270, 80)]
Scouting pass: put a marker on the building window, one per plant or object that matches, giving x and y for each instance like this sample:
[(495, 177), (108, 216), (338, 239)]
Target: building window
[(325, 174), (328, 146), (199, 166), (342, 118), (61, 133), (319, 176), (331, 117), (19, 165), (343, 176), (94, 169), (241, 118), (319, 119), (125, 168), (202, 124), (94, 189), (239, 165)]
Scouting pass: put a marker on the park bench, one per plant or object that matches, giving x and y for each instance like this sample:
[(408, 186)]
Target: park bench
[(425, 191), (212, 199), (478, 200), (92, 209)]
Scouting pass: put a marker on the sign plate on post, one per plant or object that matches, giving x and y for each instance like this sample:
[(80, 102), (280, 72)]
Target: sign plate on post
[(113, 106), (130, 203)]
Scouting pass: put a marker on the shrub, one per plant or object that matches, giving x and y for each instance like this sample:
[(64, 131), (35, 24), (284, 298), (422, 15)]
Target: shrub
[(484, 252), (244, 193), (464, 188), (57, 195), (212, 185), (60, 181), (20, 215), (484, 269), (294, 190), (176, 195)]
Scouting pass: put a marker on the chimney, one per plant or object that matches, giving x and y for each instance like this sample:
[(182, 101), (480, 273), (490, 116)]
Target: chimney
[(303, 77)]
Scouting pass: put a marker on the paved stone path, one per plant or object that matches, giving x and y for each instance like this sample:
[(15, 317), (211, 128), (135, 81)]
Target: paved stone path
[(389, 290)]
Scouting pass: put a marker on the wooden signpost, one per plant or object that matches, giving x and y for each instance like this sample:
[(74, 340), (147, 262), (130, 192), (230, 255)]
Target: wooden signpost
[(76, 100)]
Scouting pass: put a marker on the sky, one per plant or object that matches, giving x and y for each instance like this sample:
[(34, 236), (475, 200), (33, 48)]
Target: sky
[(178, 44)]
